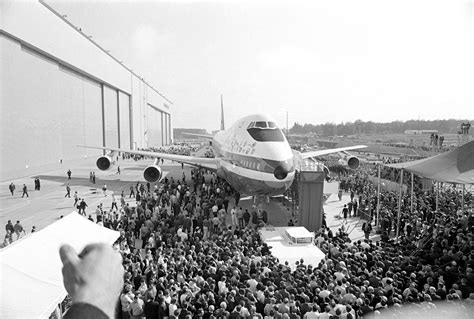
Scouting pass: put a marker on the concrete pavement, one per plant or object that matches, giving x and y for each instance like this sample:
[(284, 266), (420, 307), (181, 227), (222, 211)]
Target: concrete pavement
[(46, 206)]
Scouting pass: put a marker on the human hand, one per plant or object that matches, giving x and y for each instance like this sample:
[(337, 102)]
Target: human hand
[(95, 276)]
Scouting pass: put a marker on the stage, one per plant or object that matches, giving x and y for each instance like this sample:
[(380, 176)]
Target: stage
[(284, 249)]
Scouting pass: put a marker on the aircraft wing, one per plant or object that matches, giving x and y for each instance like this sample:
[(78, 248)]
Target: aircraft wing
[(209, 163), (330, 151), (199, 135)]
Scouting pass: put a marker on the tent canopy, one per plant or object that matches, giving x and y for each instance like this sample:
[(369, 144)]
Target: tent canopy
[(456, 166), (31, 281)]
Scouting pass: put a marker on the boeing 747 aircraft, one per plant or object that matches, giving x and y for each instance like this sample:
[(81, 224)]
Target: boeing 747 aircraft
[(253, 156)]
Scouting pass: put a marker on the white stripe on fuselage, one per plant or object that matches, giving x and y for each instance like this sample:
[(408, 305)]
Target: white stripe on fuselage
[(255, 175)]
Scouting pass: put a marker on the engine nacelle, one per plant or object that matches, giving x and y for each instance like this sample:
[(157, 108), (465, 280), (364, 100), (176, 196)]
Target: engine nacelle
[(152, 173), (104, 163), (351, 161)]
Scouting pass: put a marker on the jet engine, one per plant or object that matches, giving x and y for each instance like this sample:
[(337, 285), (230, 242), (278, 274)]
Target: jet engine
[(152, 173), (104, 163), (351, 161)]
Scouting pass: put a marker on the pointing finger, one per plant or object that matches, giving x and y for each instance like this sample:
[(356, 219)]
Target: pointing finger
[(68, 255)]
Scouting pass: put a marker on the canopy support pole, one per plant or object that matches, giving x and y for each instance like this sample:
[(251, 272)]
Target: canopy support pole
[(462, 198), (437, 197), (399, 204), (411, 199), (378, 196)]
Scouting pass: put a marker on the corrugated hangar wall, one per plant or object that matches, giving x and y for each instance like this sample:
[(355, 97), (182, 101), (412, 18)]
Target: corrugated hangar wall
[(51, 99)]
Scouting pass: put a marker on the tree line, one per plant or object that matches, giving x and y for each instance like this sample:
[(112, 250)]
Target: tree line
[(450, 126)]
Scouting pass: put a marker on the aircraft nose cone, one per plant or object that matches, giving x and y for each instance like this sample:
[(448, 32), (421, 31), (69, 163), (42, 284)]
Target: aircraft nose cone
[(280, 173)]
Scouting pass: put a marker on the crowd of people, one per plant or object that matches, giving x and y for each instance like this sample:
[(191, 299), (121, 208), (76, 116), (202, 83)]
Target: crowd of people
[(185, 258), (189, 252)]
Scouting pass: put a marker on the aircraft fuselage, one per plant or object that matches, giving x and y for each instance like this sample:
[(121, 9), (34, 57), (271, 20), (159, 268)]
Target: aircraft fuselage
[(255, 157)]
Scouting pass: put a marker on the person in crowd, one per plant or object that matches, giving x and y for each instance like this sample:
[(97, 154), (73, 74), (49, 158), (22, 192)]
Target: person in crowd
[(82, 207), (18, 229), (68, 191), (366, 228), (12, 187), (137, 307), (7, 240), (345, 211), (25, 191), (37, 184), (9, 228), (114, 202), (76, 199)]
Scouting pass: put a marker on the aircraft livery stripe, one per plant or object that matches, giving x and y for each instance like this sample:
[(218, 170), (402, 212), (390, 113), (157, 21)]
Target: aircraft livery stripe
[(252, 162), (251, 173)]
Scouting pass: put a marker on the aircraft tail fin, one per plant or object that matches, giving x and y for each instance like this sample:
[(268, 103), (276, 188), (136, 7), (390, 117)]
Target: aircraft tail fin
[(222, 115)]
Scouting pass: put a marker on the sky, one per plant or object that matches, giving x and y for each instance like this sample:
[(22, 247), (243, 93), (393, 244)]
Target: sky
[(317, 61)]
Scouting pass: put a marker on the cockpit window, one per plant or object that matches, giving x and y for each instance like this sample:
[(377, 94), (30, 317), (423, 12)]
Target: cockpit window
[(266, 134), (261, 124)]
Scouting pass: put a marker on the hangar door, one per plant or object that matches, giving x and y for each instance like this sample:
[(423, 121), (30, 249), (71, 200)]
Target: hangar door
[(155, 127)]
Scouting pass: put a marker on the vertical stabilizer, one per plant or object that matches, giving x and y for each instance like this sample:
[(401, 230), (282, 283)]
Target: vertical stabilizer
[(222, 115)]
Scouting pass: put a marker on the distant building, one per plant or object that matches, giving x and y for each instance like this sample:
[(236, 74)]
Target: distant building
[(178, 133), (420, 132)]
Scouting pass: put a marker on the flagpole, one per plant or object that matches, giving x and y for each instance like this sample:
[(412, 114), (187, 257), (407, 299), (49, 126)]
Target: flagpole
[(437, 197)]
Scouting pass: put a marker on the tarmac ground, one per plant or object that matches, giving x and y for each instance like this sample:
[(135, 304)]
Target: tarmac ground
[(45, 206)]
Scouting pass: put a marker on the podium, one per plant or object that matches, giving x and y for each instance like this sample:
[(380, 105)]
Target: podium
[(299, 235)]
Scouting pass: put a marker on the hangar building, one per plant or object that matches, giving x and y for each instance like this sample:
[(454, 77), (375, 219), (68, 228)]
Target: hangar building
[(60, 89)]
